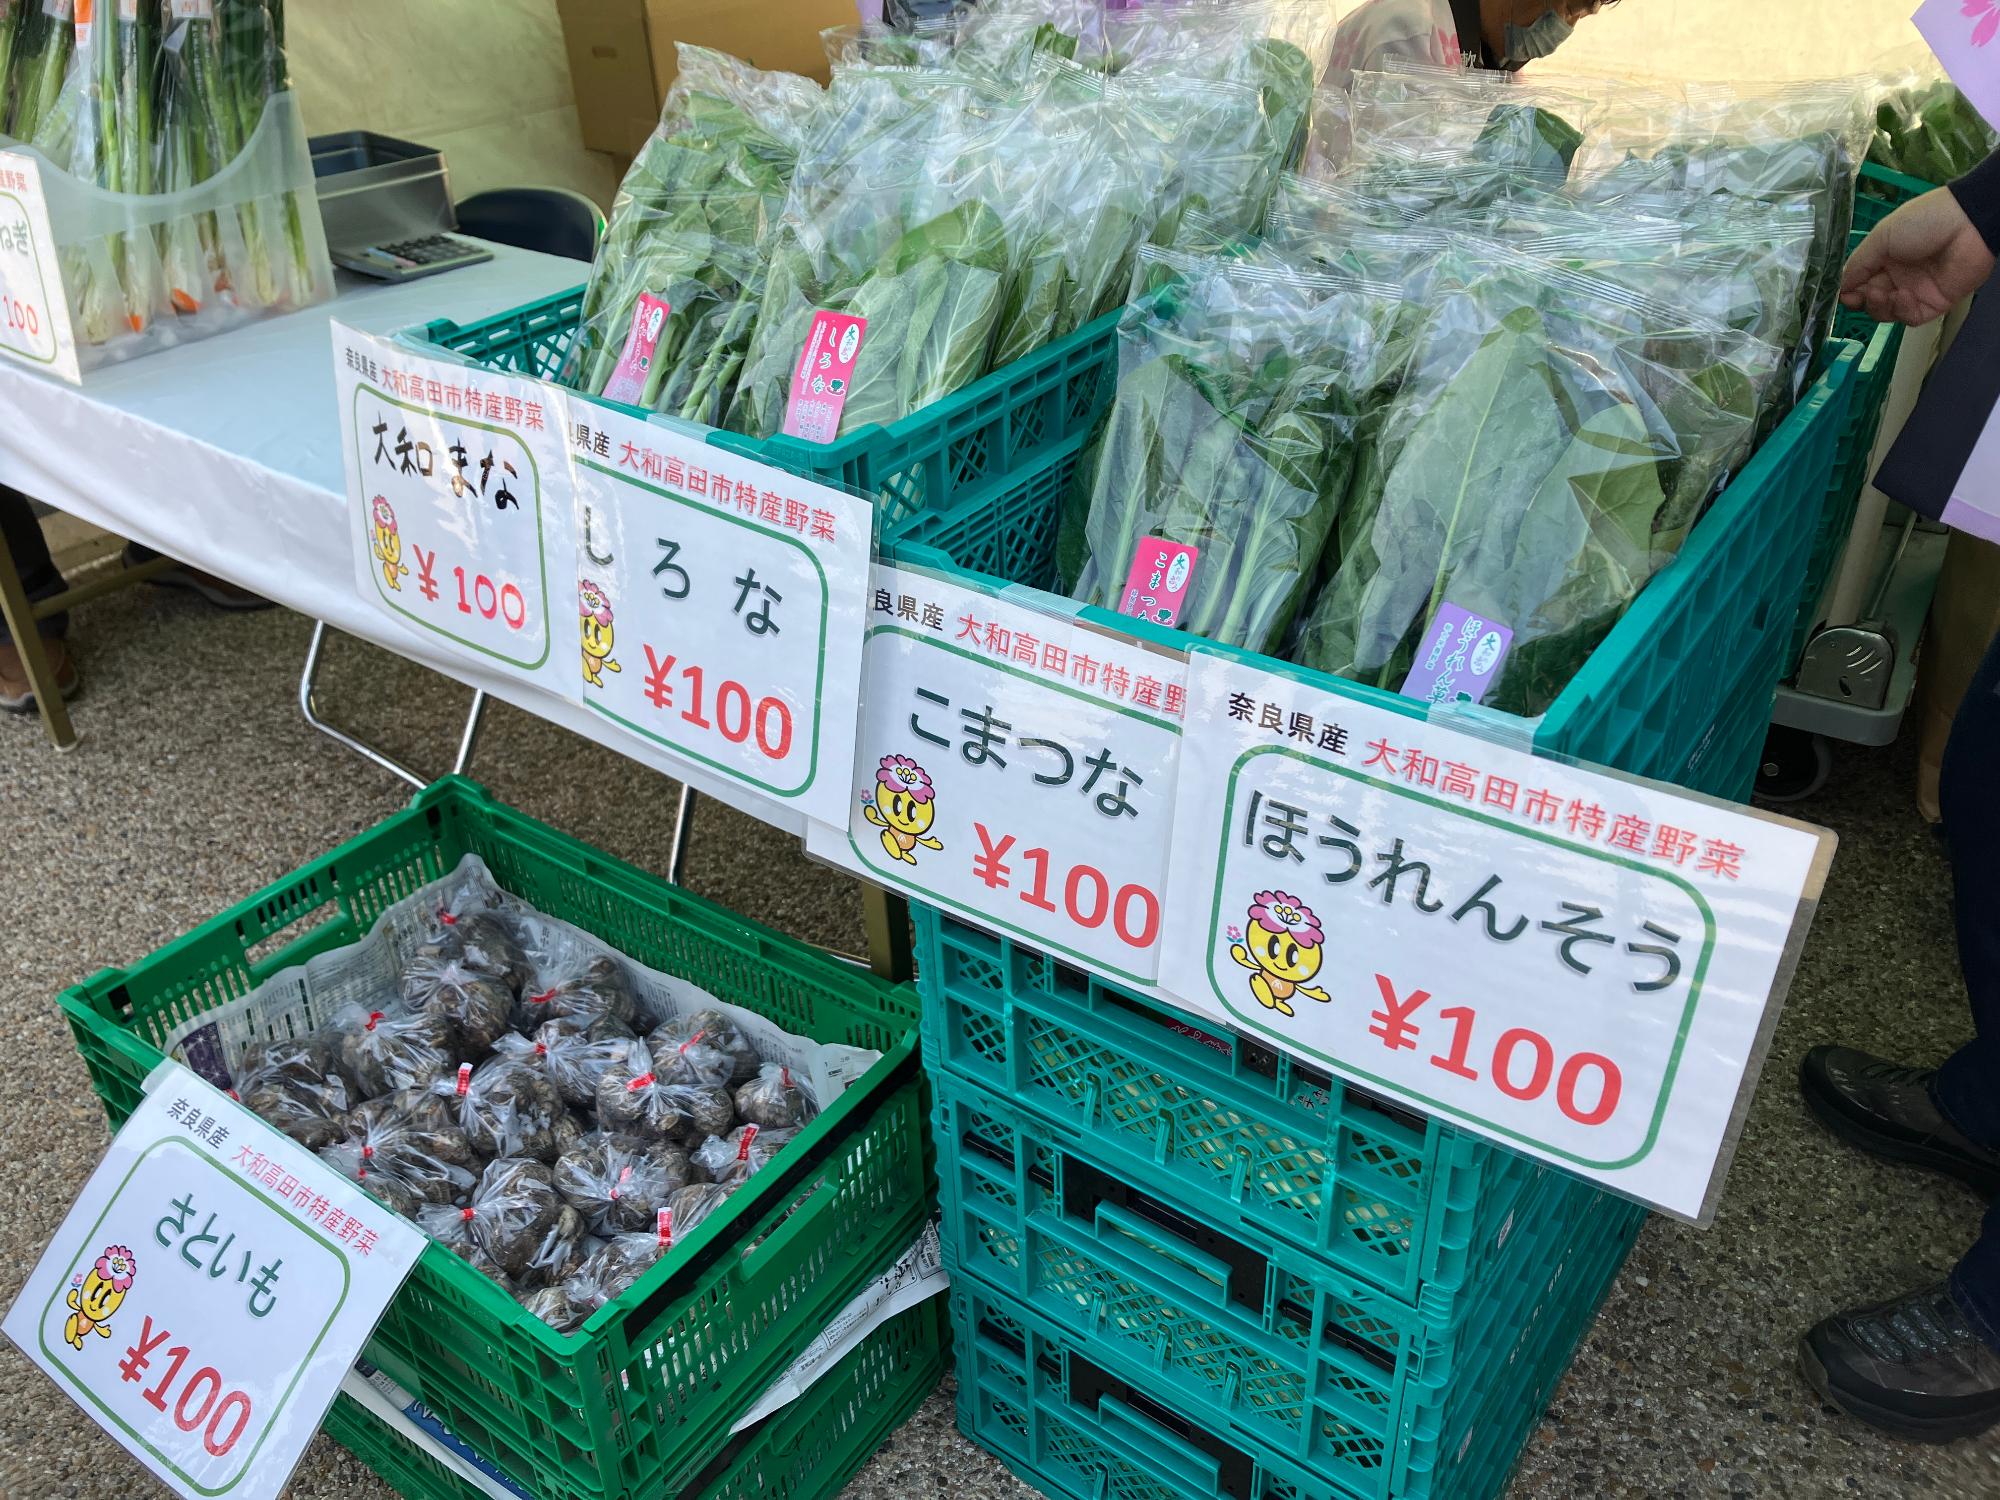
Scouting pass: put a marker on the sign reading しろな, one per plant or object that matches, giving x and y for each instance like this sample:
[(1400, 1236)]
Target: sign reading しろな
[(210, 1287), (720, 606), (1577, 964), (460, 504)]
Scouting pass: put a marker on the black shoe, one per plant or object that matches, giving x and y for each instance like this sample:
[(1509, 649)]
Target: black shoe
[(1887, 1110), (1912, 1367)]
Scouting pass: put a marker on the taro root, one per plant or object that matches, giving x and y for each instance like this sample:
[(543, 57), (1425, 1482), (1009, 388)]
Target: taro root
[(519, 1220), (707, 1111), (633, 1096), (694, 1203), (472, 924), (727, 1037), (477, 1005), (554, 1306), (613, 1267), (687, 1056), (619, 1183), (573, 1054), (408, 1137), (295, 1086), (773, 1100), (569, 978), (386, 1050), (743, 1152), (506, 1108), (451, 1227)]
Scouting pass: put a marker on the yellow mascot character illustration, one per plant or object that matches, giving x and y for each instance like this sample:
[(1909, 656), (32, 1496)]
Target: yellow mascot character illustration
[(903, 805), (595, 607), (387, 545), (94, 1296), (1282, 949)]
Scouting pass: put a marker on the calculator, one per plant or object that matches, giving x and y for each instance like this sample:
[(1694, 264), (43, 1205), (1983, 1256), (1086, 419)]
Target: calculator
[(406, 260)]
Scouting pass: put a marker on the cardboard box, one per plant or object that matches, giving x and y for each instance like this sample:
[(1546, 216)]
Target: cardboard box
[(621, 52)]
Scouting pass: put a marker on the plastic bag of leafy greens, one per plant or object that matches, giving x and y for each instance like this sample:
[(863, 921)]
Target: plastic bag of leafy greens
[(1329, 133), (1218, 132), (1108, 180), (673, 295), (1803, 138), (1555, 437), (929, 43), (1529, 126), (1232, 430), (1926, 128), (922, 247)]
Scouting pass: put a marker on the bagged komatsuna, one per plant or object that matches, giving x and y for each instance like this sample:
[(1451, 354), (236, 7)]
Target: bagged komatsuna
[(679, 279), (392, 1048), (1233, 430), (570, 978), (1553, 439), (296, 1085)]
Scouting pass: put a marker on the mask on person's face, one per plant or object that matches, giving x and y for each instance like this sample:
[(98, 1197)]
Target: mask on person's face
[(1526, 43)]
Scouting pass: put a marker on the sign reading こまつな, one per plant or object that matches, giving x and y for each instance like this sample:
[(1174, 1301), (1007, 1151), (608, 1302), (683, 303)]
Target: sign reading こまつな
[(210, 1287), (459, 496), (1577, 964)]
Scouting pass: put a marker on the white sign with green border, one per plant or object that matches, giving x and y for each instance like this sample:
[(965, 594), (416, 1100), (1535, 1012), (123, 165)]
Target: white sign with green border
[(209, 1289), (719, 607), (459, 498), (34, 312), (1577, 964), (1016, 769)]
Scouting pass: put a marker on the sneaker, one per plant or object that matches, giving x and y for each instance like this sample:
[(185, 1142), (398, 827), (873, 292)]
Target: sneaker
[(17, 694), (1912, 1367), (217, 591), (1887, 1110)]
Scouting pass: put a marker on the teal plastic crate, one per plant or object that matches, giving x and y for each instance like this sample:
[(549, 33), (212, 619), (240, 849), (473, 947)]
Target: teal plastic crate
[(1278, 1347), (1067, 1414), (1879, 192), (959, 456), (1254, 1141)]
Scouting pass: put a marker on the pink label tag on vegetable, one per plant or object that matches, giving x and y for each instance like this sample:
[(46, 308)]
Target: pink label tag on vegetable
[(743, 1146), (628, 378), (1157, 585), (666, 1226), (464, 1077), (1459, 660), (823, 376)]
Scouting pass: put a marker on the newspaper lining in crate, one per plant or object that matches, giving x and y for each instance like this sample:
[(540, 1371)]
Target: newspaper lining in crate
[(307, 996)]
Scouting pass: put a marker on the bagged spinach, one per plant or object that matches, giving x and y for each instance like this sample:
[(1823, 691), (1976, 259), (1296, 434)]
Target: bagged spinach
[(1555, 437), (1925, 128), (1233, 430)]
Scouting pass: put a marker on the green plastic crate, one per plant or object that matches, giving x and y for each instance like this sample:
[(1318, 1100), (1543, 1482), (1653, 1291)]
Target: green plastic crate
[(1880, 192), (633, 1403), (807, 1450), (954, 456), (1255, 1142), (1069, 1414), (1293, 1355)]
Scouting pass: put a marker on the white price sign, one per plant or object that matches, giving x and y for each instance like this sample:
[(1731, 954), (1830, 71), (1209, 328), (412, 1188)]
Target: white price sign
[(1579, 965), (1017, 769), (719, 607), (34, 315), (460, 498), (209, 1289)]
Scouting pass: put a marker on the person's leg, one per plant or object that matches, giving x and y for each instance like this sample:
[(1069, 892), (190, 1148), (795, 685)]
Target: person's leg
[(1969, 796), (30, 551)]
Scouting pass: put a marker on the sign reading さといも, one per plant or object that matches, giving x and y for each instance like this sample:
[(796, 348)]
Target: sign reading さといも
[(208, 1290)]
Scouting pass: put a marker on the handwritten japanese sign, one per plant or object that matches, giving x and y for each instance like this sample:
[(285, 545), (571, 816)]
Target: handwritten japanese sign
[(210, 1287), (1574, 963), (34, 313), (720, 605), (1017, 769), (460, 504)]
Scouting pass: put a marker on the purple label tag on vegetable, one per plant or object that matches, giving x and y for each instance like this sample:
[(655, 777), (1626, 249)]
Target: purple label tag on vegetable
[(628, 379), (1459, 660), (1157, 584)]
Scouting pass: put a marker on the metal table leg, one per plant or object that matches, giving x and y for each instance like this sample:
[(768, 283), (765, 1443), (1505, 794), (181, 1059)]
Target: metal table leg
[(683, 832), (309, 707)]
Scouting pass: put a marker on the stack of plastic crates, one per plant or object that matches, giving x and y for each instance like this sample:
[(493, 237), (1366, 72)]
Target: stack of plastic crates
[(640, 1401), (1186, 1264)]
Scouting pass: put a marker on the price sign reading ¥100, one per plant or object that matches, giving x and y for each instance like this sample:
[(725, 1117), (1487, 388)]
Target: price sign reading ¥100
[(719, 607), (1577, 964), (460, 504), (34, 315), (209, 1289), (1017, 769)]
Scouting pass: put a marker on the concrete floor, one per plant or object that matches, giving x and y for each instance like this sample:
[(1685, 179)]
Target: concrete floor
[(197, 783)]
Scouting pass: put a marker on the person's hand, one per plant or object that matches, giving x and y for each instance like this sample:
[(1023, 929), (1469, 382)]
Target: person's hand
[(1917, 264)]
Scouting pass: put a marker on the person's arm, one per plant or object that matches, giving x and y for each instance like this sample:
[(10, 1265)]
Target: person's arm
[(1930, 254)]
